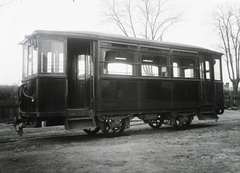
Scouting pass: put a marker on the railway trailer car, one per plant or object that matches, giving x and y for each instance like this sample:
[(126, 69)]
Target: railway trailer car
[(95, 81)]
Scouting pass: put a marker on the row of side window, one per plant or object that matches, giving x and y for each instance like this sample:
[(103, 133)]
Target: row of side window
[(154, 65), (116, 62)]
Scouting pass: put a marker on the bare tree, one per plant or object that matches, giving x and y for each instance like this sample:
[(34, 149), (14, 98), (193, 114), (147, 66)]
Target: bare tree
[(148, 19), (8, 94), (227, 23), (5, 2)]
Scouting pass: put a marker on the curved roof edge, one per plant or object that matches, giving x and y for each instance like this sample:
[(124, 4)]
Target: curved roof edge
[(99, 35)]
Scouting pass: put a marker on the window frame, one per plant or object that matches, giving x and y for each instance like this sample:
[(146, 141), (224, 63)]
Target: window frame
[(30, 60), (194, 68), (219, 68), (141, 63), (40, 63), (208, 73), (102, 62)]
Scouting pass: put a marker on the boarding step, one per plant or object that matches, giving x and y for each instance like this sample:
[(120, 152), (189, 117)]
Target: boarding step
[(79, 113), (79, 119), (207, 112)]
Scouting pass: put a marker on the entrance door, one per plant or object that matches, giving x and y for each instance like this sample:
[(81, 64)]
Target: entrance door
[(83, 82), (80, 74), (207, 84), (208, 89)]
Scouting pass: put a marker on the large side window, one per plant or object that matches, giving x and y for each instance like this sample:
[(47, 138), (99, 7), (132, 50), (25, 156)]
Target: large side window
[(118, 62), (154, 65), (184, 67), (52, 57)]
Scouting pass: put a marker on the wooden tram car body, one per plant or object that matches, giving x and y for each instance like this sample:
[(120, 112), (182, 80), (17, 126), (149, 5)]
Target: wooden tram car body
[(95, 81)]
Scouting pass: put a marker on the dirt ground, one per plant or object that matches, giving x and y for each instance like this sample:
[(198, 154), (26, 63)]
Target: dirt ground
[(207, 146)]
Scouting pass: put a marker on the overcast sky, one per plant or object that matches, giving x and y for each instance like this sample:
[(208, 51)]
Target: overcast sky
[(22, 17)]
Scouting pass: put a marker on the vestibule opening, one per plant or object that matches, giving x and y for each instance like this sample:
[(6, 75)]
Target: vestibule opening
[(80, 72)]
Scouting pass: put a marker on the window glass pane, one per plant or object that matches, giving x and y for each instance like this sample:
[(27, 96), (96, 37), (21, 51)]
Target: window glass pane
[(58, 57), (81, 66), (89, 64), (25, 60), (188, 73), (119, 69), (30, 58), (154, 65), (149, 70), (29, 68), (61, 63), (35, 55), (49, 62), (217, 71), (207, 70), (207, 65), (42, 65), (201, 69), (52, 57), (176, 71), (118, 63), (46, 48), (184, 67), (163, 71)]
